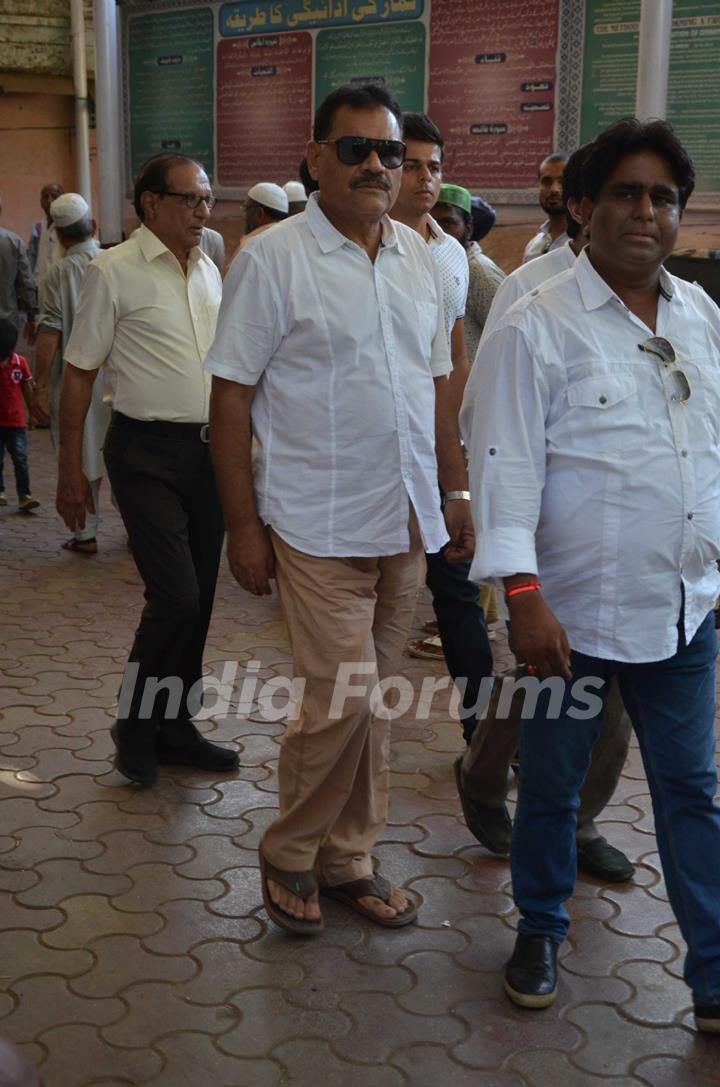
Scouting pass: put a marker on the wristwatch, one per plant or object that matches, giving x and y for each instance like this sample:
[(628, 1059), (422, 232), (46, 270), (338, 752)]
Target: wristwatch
[(457, 496)]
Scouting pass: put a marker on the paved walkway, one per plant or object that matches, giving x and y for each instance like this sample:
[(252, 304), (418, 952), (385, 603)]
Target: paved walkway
[(134, 950)]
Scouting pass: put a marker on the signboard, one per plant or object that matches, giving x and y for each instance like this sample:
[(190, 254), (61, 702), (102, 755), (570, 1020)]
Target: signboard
[(392, 56), (172, 85)]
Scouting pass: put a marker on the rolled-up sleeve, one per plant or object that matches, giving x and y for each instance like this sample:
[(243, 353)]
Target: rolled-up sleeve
[(250, 323), (503, 425), (93, 328), (50, 319)]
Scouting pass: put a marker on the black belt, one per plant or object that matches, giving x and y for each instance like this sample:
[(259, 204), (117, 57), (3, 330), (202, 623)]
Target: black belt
[(184, 432)]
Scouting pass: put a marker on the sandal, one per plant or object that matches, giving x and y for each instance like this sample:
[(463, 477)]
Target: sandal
[(83, 547), (301, 884), (351, 893)]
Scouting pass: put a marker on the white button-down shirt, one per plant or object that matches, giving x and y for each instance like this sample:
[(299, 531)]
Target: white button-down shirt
[(542, 243), (343, 352), (526, 278), (454, 273), (153, 326), (584, 471)]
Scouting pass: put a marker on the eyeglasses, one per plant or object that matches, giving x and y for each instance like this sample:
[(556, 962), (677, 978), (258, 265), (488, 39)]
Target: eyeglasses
[(677, 388), (352, 150), (192, 199)]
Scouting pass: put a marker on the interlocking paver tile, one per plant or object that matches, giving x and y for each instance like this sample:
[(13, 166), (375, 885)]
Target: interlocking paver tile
[(671, 933), (188, 821), (495, 1027), (119, 961), (190, 922), (101, 817), (155, 884), (76, 1053), (641, 914), (41, 843), (223, 969), (303, 1058), (154, 1009), (242, 895), (431, 1065), (440, 982), (329, 972), (656, 997), (18, 812), (124, 849), (193, 1059), (34, 738), (88, 917), (669, 1072), (375, 944), (379, 1021), (58, 763), (444, 901), (595, 949), (266, 1019), (612, 1043), (213, 855), (547, 1068), (45, 1001), (60, 879), (239, 796), (23, 954)]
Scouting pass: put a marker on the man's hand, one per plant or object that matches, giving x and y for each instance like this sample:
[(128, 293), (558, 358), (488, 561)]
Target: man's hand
[(74, 498), (458, 521), (251, 558), (30, 332), (536, 637)]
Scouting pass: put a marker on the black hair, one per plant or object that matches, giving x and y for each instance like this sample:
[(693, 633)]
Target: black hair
[(418, 126), (78, 231), (153, 176), (306, 177), (8, 337), (273, 213), (364, 96), (554, 156), (466, 216), (572, 186), (628, 136)]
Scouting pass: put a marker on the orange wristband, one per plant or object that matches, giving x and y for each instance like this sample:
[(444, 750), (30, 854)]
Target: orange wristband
[(529, 587)]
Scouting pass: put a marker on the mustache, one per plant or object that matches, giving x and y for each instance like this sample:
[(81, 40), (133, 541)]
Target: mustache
[(375, 179)]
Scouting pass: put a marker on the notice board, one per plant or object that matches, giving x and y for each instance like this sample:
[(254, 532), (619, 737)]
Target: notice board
[(235, 84)]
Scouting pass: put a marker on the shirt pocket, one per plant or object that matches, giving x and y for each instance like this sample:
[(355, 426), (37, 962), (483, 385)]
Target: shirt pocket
[(602, 415), (427, 316)]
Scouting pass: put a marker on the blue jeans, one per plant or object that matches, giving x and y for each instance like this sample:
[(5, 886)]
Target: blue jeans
[(14, 439), (671, 704), (462, 629)]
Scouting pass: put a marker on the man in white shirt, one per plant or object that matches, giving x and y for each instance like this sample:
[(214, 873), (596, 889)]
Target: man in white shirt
[(332, 355), (594, 435), (462, 638), (483, 771), (213, 244), (146, 313), (551, 234), (44, 249)]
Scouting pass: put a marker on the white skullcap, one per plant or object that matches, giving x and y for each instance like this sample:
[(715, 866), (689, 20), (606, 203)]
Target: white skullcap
[(295, 191), (68, 209), (269, 195)]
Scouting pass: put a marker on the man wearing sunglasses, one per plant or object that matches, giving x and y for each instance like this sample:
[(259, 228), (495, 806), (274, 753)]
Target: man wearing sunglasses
[(595, 471), (147, 311), (331, 352)]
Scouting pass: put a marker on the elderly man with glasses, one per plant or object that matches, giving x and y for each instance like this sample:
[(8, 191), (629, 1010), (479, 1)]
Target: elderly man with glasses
[(146, 312), (593, 423), (331, 352)]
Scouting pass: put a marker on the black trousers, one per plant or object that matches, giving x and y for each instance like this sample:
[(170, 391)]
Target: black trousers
[(162, 477)]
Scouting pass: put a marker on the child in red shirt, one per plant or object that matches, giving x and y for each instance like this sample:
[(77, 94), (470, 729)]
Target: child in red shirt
[(15, 386)]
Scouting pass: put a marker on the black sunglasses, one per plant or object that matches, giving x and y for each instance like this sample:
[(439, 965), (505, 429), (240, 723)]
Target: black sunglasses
[(352, 150), (677, 386)]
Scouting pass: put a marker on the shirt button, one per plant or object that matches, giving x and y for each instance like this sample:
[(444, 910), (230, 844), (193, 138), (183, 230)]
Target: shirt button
[(683, 453), (492, 452), (603, 399), (690, 516)]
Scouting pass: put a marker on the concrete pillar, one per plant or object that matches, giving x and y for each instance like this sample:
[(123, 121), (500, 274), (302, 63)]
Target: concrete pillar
[(653, 59), (108, 99), (82, 124)]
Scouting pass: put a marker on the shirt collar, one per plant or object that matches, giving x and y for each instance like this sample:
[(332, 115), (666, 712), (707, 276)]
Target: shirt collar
[(329, 238), (151, 247), (88, 246), (595, 292)]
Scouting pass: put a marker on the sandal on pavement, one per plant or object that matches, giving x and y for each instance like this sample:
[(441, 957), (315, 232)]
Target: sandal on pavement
[(351, 893), (83, 547), (301, 884)]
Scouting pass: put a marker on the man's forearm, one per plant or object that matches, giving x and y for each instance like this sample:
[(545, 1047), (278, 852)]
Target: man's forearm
[(46, 347), (75, 397), (452, 472), (230, 445)]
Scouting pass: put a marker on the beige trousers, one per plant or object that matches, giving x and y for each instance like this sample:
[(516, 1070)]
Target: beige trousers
[(333, 769)]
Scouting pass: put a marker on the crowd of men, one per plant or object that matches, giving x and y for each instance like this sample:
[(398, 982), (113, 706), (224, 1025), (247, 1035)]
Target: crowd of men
[(308, 407)]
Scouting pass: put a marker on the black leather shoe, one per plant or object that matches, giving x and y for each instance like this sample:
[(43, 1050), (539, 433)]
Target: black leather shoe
[(491, 826), (135, 756), (531, 974), (603, 860), (183, 745), (707, 1018)]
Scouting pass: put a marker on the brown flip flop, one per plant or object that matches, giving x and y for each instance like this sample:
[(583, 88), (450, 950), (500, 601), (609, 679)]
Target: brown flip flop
[(351, 893), (301, 884), (81, 547)]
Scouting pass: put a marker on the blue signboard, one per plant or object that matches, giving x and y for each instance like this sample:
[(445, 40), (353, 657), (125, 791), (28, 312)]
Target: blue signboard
[(261, 16)]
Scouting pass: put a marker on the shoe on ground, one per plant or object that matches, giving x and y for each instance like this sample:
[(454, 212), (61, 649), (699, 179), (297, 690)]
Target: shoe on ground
[(531, 974), (599, 858), (429, 649), (135, 751), (707, 1018), (3, 498), (430, 627), (183, 745), (27, 503), (491, 826)]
